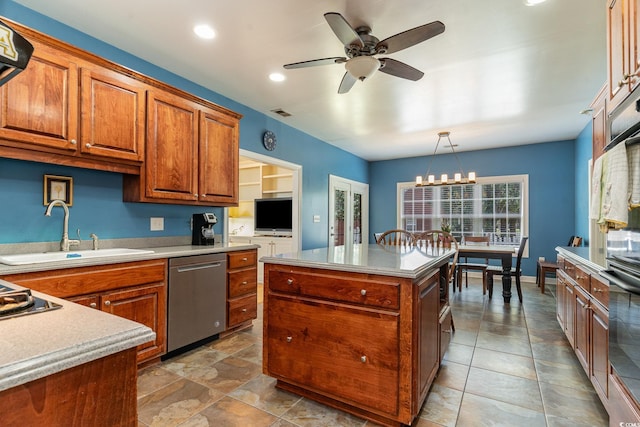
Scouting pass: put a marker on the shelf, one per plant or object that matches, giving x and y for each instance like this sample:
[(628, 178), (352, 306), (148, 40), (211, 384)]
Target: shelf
[(280, 175), (247, 184), (276, 191)]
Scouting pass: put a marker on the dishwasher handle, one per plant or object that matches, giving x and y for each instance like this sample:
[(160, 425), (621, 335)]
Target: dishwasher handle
[(198, 267)]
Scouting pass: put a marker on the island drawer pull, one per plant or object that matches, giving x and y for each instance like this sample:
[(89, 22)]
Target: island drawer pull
[(289, 281), (363, 292), (363, 359), (93, 305), (107, 302), (289, 339), (244, 310)]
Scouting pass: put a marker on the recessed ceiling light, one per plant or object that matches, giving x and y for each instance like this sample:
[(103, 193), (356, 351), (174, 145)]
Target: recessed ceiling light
[(533, 2), (204, 31), (276, 77)]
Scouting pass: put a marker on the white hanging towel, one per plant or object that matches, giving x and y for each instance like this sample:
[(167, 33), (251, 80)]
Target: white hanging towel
[(614, 212), (633, 157), (596, 189)]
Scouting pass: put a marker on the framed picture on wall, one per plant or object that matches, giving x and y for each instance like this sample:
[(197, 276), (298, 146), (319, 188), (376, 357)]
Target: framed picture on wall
[(58, 188)]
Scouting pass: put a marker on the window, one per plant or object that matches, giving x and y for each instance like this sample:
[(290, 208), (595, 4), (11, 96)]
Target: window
[(497, 206)]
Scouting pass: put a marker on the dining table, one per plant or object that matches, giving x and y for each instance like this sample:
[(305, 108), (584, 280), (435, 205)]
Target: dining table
[(504, 253)]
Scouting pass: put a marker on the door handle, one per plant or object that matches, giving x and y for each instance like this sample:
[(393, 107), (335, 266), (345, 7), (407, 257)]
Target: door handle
[(198, 267)]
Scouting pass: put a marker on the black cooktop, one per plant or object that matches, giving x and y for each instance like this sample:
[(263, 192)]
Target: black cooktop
[(20, 302)]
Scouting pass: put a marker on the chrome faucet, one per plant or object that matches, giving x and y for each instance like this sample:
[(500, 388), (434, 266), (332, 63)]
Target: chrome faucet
[(65, 242), (94, 236)]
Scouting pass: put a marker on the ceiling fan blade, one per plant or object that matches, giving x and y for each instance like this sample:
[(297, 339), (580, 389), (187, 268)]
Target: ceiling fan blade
[(347, 83), (343, 30), (314, 62), (400, 69), (411, 37)]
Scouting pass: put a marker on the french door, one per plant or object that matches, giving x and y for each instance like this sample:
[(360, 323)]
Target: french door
[(348, 214)]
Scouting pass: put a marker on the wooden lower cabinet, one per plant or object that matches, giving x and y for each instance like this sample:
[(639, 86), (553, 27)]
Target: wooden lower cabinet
[(583, 314), (242, 288), (363, 343), (98, 393), (133, 290)]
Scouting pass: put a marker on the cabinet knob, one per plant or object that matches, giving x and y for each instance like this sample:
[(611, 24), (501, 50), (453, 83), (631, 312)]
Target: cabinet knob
[(244, 283), (195, 194), (596, 290), (446, 331), (245, 259), (363, 292), (73, 141), (107, 302), (244, 310), (93, 305), (363, 359), (289, 281), (289, 339), (87, 145)]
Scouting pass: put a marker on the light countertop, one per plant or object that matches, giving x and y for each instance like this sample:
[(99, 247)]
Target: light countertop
[(372, 259)]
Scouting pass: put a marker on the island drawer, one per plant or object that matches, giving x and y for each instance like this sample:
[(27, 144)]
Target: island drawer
[(600, 290), (375, 291), (583, 277), (570, 269)]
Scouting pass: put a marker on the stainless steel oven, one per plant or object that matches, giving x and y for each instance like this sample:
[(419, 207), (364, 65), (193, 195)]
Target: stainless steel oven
[(624, 320)]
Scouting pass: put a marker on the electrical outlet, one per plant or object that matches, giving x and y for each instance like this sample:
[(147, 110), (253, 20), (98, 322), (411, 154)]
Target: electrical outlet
[(156, 223)]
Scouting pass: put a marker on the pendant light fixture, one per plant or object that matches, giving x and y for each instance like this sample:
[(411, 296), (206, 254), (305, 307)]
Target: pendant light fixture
[(458, 177)]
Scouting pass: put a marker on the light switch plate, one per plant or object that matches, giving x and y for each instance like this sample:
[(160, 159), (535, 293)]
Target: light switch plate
[(156, 223), (316, 218)]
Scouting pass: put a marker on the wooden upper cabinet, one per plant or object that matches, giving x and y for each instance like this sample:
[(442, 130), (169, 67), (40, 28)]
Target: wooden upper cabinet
[(40, 105), (172, 148), (191, 154), (218, 168), (112, 111), (599, 123), (623, 35)]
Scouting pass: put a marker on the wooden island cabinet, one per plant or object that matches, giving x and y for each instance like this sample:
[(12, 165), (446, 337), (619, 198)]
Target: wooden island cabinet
[(362, 336)]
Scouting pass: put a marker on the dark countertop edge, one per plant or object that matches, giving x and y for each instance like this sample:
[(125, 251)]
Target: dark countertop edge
[(158, 253)]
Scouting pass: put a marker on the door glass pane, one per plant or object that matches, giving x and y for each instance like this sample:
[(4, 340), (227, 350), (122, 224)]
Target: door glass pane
[(357, 218), (338, 220)]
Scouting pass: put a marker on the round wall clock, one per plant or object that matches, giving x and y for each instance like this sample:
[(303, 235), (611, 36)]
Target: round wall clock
[(269, 140)]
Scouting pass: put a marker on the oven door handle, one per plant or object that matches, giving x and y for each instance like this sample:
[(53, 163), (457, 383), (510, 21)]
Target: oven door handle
[(607, 274)]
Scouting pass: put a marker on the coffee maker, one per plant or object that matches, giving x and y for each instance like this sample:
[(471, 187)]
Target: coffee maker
[(202, 228)]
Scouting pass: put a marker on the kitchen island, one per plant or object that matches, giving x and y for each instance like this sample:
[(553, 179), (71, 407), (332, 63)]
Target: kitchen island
[(363, 332), (71, 366)]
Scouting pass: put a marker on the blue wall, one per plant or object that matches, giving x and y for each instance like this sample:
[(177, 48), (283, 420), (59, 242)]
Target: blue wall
[(550, 166), (584, 152), (98, 205)]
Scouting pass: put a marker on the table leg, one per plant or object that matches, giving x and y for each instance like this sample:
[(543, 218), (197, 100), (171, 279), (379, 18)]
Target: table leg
[(506, 279)]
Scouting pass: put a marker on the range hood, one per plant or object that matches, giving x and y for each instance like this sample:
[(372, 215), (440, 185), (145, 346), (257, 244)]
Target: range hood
[(15, 52)]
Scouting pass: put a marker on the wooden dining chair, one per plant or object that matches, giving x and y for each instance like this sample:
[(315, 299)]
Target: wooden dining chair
[(464, 265), (397, 237), (376, 236), (549, 267), (436, 241), (494, 270)]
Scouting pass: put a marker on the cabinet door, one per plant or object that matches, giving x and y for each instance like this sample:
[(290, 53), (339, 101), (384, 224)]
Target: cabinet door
[(634, 42), (582, 327), (282, 245), (143, 305), (218, 171), (92, 301), (40, 105), (570, 312), (600, 350), (560, 300), (428, 320), (347, 354), (172, 151), (112, 114), (599, 123), (617, 51)]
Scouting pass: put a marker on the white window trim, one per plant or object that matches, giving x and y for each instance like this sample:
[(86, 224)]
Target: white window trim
[(524, 178)]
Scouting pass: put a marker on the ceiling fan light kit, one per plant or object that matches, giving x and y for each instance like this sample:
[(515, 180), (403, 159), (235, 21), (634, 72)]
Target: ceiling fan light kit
[(458, 177), (360, 47)]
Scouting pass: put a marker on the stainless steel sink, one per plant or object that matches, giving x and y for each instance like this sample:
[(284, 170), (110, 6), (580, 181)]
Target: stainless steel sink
[(43, 257)]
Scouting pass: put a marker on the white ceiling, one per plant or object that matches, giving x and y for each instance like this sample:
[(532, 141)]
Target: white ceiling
[(501, 74)]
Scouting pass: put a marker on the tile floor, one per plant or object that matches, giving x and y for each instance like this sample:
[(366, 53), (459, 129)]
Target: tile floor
[(506, 366)]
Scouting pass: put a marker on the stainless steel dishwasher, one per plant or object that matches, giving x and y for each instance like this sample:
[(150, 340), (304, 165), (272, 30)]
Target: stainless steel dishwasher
[(197, 299)]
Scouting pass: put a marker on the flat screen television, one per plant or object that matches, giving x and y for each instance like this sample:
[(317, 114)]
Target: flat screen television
[(273, 217)]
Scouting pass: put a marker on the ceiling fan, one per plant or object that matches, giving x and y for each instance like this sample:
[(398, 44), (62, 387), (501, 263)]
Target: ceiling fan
[(360, 47)]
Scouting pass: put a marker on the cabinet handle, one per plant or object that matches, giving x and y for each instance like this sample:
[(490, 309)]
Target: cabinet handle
[(73, 141), (289, 339), (289, 281), (107, 302), (363, 359), (596, 290), (244, 310), (363, 292), (93, 305), (244, 283)]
